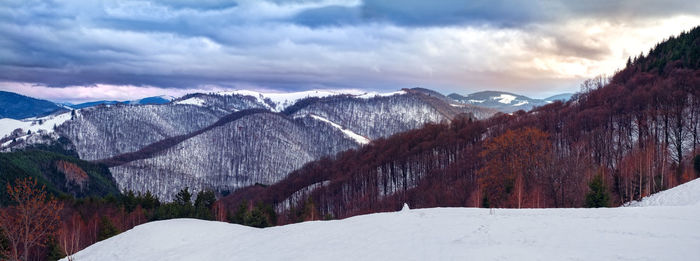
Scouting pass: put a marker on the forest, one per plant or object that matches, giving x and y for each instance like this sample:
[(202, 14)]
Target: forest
[(619, 139)]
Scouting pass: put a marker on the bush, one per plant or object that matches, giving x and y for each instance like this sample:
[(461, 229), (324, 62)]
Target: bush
[(598, 196)]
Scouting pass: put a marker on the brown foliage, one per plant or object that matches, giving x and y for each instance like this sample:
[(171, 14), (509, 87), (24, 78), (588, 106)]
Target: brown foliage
[(515, 163), (31, 221), (72, 172)]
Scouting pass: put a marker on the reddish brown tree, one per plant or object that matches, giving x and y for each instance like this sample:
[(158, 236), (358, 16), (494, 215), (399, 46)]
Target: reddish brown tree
[(70, 235), (29, 223), (514, 162)]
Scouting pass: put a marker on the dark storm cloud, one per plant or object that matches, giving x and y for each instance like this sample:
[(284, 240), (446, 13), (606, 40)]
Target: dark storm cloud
[(295, 44), (503, 13)]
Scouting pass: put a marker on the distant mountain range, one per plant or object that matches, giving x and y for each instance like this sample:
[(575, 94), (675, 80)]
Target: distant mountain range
[(149, 100), (226, 140), (506, 101), (17, 106)]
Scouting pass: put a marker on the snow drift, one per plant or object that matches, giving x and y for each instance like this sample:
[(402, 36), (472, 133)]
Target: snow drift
[(667, 228)]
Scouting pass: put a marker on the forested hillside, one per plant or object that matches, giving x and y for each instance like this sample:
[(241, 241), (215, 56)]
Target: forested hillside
[(258, 146), (62, 175), (636, 131), (16, 106)]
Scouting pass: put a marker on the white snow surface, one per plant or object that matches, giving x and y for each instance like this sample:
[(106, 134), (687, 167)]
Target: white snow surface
[(505, 98), (357, 137), (655, 232), (686, 194), (8, 125), (521, 103), (284, 100), (191, 101)]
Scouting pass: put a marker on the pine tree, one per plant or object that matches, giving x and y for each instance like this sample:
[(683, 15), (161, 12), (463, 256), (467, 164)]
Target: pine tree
[(54, 250), (598, 196), (203, 204), (107, 229), (183, 197)]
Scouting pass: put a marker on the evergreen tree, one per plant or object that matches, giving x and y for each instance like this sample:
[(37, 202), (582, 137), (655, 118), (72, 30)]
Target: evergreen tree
[(598, 195), (54, 250), (203, 204), (107, 229), (129, 201), (240, 215), (148, 201), (183, 197), (696, 163), (205, 199)]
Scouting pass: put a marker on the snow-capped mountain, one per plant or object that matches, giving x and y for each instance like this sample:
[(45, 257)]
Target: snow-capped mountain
[(264, 146), (505, 101), (162, 99), (434, 234), (227, 140)]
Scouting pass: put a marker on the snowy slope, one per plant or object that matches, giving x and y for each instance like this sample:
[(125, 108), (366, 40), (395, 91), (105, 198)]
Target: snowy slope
[(46, 123), (505, 101), (640, 233), (687, 194), (358, 138), (280, 101)]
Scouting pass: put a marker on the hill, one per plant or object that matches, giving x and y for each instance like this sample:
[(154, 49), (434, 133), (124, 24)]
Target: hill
[(148, 100), (223, 141), (637, 130), (16, 106), (60, 173), (426, 234), (505, 101)]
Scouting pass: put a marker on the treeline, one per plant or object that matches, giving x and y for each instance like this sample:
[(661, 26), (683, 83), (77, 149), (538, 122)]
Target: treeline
[(71, 225), (618, 140)]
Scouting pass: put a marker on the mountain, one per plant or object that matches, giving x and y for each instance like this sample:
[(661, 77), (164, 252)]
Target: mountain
[(632, 130), (224, 141), (505, 101), (148, 100), (261, 146), (432, 234), (564, 97), (16, 106)]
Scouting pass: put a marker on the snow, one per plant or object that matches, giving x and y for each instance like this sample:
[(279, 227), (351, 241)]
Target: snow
[(476, 101), (687, 194), (655, 232), (8, 125), (284, 100), (357, 137), (191, 101), (369, 95), (504, 98), (521, 103)]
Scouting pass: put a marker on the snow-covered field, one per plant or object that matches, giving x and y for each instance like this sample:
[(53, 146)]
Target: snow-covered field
[(666, 228)]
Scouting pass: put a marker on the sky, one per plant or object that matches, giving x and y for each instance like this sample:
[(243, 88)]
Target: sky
[(77, 50)]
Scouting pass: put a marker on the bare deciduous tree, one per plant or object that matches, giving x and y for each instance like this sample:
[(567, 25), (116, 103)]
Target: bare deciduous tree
[(28, 223)]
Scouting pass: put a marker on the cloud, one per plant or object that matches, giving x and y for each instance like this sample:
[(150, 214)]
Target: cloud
[(535, 48)]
